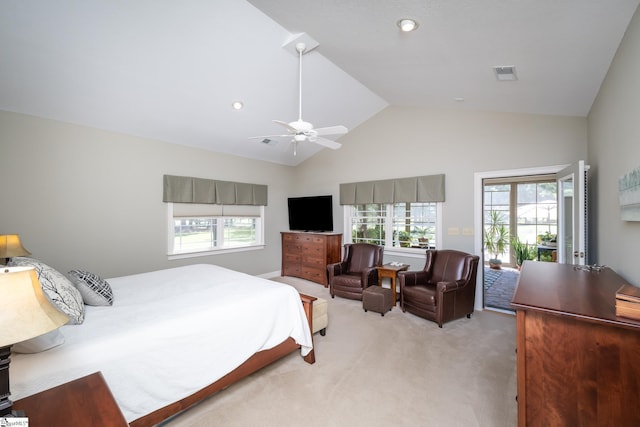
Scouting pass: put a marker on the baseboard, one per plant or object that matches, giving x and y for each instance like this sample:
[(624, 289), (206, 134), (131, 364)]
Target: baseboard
[(270, 275)]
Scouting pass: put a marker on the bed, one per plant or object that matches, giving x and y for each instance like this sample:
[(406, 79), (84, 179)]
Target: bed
[(173, 337)]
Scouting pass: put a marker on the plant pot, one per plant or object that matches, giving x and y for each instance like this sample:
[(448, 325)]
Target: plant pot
[(495, 264)]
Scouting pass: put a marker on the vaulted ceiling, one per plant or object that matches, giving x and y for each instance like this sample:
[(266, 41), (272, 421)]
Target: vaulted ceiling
[(170, 70)]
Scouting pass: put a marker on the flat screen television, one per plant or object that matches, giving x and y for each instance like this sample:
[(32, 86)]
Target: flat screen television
[(311, 213)]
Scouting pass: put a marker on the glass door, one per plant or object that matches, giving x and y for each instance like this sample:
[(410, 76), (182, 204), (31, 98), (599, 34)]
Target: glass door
[(520, 224), (572, 214)]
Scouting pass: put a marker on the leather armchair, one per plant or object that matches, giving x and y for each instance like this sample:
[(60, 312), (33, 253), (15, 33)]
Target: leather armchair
[(444, 290), (356, 272)]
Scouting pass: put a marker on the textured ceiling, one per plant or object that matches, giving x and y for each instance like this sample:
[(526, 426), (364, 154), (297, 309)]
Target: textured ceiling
[(170, 70)]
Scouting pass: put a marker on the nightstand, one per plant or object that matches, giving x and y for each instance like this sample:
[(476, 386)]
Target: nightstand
[(86, 401)]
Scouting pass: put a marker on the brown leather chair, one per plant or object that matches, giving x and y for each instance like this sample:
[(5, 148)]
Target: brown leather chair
[(357, 270), (444, 290)]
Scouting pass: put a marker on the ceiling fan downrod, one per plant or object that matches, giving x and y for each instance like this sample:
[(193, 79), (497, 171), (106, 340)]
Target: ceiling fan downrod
[(300, 47)]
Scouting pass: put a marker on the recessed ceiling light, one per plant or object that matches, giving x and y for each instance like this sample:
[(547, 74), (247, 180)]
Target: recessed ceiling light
[(237, 105), (407, 25)]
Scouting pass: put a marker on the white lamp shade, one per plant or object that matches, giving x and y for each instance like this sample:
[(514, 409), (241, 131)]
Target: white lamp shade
[(25, 311), (10, 246)]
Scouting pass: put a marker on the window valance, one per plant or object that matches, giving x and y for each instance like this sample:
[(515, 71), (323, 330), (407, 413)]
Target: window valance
[(428, 188), (184, 189)]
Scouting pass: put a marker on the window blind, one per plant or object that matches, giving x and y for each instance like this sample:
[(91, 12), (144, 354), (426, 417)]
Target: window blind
[(428, 188), (183, 189), (199, 210)]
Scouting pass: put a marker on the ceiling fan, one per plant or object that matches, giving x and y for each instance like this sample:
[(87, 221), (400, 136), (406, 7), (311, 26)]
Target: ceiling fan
[(301, 131)]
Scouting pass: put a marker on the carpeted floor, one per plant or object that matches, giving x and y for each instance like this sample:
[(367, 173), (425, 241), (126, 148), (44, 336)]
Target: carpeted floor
[(396, 370)]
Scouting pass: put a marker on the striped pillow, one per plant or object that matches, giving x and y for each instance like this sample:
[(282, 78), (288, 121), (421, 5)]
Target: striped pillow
[(94, 289)]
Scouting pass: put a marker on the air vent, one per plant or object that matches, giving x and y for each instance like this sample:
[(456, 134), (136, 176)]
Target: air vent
[(505, 73)]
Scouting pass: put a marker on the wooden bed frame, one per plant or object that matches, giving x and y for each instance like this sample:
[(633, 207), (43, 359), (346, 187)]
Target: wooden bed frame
[(253, 364)]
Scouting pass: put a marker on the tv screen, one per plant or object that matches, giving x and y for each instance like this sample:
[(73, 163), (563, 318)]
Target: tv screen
[(311, 213)]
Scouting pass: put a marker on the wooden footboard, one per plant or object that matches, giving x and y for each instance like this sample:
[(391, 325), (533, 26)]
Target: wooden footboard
[(253, 364)]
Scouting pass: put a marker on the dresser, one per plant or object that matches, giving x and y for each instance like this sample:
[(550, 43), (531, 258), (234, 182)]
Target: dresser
[(578, 363), (86, 401), (306, 255)]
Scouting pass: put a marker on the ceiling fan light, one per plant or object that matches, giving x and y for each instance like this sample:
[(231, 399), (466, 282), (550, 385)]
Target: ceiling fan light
[(407, 25)]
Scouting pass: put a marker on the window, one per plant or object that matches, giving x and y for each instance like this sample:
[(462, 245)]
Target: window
[(526, 206), (204, 229), (537, 213), (398, 225)]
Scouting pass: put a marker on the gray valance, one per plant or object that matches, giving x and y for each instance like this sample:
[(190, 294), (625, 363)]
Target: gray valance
[(429, 188), (184, 189)]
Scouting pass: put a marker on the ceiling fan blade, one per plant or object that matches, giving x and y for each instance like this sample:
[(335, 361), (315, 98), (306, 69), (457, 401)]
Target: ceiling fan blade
[(287, 125), (327, 143), (332, 130)]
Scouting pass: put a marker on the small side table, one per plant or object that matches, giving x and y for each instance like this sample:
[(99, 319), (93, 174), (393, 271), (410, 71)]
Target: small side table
[(545, 248), (391, 272), (86, 401)]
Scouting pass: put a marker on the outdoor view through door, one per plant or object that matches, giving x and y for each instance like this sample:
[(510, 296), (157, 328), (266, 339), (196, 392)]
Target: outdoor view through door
[(520, 222)]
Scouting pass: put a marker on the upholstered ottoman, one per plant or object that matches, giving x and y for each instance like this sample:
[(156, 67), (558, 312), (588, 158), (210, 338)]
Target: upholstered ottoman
[(320, 316), (378, 299)]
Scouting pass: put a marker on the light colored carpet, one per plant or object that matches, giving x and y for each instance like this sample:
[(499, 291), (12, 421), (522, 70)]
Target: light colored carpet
[(396, 370)]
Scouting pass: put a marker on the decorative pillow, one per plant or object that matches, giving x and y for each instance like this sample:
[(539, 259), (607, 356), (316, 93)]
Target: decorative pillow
[(93, 288), (57, 288), (41, 343)]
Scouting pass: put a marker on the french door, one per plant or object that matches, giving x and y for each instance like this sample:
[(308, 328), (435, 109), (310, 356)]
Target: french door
[(526, 207), (572, 214)]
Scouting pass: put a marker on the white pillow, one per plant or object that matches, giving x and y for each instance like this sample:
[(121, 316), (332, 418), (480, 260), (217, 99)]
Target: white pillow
[(93, 288), (41, 343), (57, 288)]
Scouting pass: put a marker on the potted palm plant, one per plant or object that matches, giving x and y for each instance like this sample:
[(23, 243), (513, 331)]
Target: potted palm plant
[(523, 251), (496, 238)]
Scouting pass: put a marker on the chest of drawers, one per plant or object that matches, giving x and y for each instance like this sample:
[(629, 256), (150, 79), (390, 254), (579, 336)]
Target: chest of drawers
[(306, 255), (577, 361)]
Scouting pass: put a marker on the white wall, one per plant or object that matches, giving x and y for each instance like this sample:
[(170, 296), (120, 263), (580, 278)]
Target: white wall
[(84, 198), (405, 142), (614, 150)]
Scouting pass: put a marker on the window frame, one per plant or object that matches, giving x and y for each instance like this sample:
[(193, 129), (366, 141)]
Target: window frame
[(512, 209), (389, 249), (172, 254)]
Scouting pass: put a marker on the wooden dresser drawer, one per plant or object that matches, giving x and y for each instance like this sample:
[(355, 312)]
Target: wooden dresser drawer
[(291, 248), (291, 238), (291, 270), (306, 255), (318, 275), (291, 257), (314, 262), (312, 250)]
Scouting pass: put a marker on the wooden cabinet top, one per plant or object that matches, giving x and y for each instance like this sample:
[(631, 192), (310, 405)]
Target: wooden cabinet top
[(86, 401), (569, 291)]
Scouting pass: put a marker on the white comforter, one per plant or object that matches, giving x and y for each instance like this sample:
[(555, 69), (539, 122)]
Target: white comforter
[(168, 334)]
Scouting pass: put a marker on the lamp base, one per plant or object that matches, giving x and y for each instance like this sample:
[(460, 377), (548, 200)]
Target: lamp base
[(5, 403), (14, 414)]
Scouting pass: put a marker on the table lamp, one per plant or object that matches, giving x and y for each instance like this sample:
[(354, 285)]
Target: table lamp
[(25, 313), (10, 247)]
